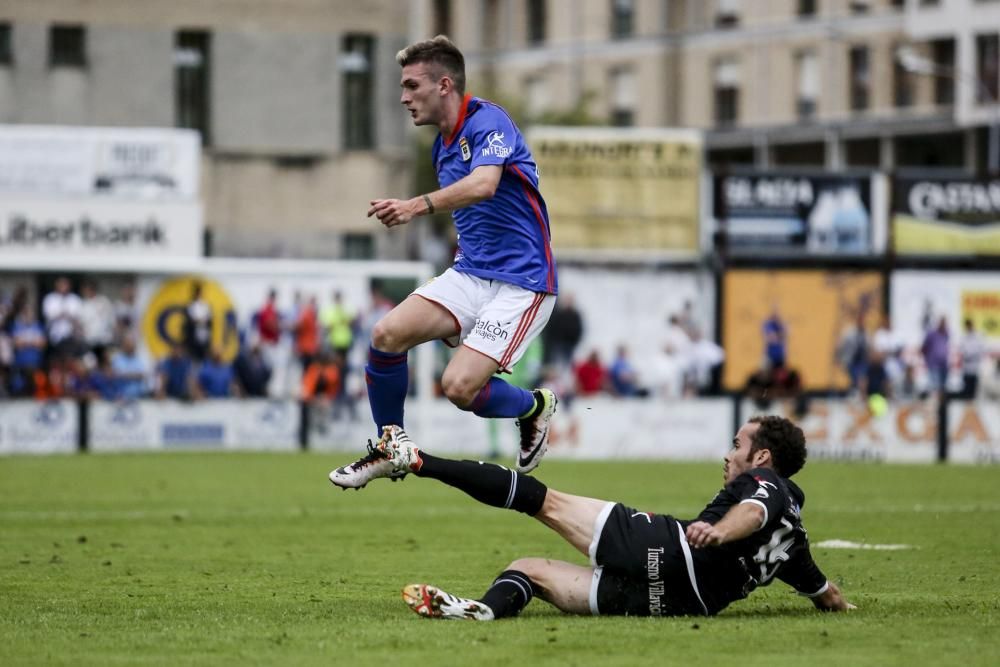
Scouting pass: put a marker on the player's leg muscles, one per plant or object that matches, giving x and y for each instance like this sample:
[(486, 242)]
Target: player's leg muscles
[(564, 585), (416, 320), (387, 374), (573, 517), (469, 382)]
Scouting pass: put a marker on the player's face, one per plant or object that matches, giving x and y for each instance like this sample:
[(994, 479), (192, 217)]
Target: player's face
[(738, 460), (420, 95)]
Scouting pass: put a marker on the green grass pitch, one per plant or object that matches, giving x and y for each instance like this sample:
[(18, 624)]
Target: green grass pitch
[(211, 558)]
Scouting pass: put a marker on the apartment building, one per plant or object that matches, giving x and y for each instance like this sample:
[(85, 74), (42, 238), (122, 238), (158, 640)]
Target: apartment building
[(295, 101), (834, 84)]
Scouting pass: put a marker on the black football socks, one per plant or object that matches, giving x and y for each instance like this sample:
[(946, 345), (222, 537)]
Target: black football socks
[(488, 483), (509, 594)]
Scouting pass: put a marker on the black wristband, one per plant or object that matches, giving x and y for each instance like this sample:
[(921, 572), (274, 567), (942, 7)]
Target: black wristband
[(430, 204)]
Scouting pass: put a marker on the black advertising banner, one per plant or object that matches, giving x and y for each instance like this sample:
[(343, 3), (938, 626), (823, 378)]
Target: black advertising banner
[(945, 216), (783, 214)]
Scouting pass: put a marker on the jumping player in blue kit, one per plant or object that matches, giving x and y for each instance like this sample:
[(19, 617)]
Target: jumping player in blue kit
[(500, 291)]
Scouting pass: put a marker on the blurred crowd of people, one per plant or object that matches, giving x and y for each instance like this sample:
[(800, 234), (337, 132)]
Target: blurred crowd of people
[(86, 345)]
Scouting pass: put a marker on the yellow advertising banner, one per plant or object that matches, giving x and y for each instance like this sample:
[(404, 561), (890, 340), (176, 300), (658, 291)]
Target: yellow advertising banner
[(617, 193), (814, 307), (983, 308)]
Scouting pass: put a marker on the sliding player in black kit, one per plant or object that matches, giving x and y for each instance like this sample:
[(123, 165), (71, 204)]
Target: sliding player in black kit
[(642, 564)]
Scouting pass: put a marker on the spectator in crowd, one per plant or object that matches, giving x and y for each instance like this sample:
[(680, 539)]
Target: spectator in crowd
[(705, 359), (990, 388), (971, 351), (198, 325), (591, 376), (775, 339), (61, 310), (216, 378), (126, 314), (129, 370), (775, 383), (322, 378), (253, 372), (269, 324), (175, 376), (100, 383), (623, 380), (563, 332), (28, 339), (852, 351), (97, 319), (344, 398), (889, 347), (875, 382), (338, 320), (306, 332), (935, 352)]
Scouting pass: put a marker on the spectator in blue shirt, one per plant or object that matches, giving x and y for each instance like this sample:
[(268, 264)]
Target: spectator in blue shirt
[(216, 378), (252, 371), (28, 338), (129, 370), (623, 376), (176, 379)]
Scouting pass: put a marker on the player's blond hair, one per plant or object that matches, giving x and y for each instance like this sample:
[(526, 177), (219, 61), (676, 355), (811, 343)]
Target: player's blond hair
[(442, 54)]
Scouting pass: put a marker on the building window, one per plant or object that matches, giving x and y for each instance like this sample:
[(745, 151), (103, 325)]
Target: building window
[(622, 16), (988, 68), (727, 92), (860, 6), (860, 73), (537, 93), (358, 91), (6, 48), (191, 81), (807, 95), (359, 246), (902, 83), (943, 52), (727, 13), (623, 97), (67, 46), (536, 21), (807, 8), (442, 17), (490, 24)]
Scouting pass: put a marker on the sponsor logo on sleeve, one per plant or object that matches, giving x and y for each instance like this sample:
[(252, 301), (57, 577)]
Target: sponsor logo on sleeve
[(496, 146)]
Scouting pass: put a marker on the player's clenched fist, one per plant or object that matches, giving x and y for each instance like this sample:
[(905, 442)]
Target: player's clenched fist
[(702, 534)]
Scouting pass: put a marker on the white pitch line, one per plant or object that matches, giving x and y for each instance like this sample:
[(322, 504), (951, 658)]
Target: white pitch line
[(845, 544)]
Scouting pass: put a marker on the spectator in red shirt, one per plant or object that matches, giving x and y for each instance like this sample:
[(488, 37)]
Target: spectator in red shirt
[(590, 375), (268, 321)]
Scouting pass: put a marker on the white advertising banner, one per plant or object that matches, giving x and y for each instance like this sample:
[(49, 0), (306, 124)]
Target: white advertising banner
[(247, 424), (97, 229), (595, 428), (845, 430), (112, 163), (920, 298), (974, 432), (34, 427)]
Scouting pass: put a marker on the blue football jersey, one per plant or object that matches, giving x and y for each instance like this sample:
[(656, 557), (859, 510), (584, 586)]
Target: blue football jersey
[(507, 236)]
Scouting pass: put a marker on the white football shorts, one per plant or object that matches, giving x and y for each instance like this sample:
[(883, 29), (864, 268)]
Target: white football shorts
[(494, 318)]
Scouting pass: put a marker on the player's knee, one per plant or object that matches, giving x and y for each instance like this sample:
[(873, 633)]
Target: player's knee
[(460, 390), (533, 568), (386, 339)]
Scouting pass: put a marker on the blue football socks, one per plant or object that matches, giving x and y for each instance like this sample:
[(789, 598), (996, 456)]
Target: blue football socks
[(499, 398), (387, 376)]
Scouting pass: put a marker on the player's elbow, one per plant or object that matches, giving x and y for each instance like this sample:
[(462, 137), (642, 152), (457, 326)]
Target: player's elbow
[(485, 188)]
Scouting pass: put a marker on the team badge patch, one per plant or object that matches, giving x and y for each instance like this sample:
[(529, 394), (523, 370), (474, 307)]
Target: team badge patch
[(466, 151)]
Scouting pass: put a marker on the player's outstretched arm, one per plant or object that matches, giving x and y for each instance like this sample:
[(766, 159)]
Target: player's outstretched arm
[(832, 600), (478, 186), (740, 521)]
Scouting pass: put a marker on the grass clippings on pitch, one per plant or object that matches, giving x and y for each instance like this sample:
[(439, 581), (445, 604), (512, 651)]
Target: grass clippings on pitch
[(213, 558)]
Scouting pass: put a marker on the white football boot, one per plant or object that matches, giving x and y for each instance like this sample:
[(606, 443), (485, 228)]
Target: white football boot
[(535, 432), (394, 457), (432, 602)]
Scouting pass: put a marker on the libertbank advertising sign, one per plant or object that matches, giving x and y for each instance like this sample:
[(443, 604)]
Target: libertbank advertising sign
[(954, 216), (92, 193)]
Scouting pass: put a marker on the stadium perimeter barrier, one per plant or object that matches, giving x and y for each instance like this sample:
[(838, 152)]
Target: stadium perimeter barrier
[(599, 428)]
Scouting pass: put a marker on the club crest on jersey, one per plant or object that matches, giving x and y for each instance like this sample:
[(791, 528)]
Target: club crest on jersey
[(466, 151), (496, 146)]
